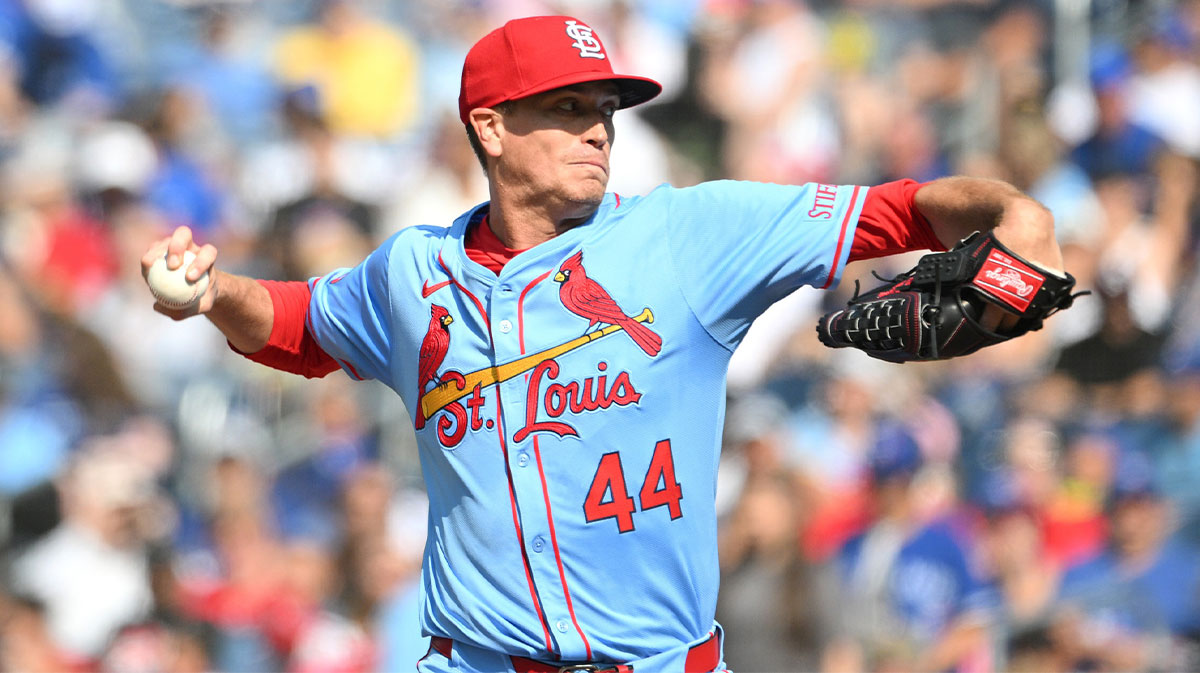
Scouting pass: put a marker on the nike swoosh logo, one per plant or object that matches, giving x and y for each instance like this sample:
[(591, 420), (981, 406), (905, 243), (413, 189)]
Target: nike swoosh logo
[(427, 290)]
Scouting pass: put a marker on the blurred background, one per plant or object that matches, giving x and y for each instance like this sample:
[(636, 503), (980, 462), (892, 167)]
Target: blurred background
[(167, 506)]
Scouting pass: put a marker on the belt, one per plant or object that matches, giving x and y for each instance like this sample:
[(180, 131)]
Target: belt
[(701, 658)]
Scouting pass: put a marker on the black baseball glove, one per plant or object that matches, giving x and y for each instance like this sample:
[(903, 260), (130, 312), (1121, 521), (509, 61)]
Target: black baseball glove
[(932, 311)]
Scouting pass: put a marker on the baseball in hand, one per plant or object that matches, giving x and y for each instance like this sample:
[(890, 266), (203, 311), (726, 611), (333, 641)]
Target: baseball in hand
[(172, 288)]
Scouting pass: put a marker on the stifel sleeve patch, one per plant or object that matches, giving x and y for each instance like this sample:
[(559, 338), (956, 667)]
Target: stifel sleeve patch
[(1008, 280)]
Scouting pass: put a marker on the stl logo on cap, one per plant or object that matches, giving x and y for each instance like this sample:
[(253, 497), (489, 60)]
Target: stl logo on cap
[(585, 42)]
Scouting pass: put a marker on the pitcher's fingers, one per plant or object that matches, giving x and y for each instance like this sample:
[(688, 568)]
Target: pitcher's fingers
[(153, 254), (181, 241), (205, 257), (997, 320)]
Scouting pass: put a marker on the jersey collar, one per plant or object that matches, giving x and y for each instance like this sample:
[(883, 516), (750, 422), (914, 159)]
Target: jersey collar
[(552, 251)]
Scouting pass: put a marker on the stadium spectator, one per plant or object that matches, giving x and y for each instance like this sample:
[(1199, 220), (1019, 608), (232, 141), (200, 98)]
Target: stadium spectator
[(367, 71), (1131, 606), (909, 596), (91, 572)]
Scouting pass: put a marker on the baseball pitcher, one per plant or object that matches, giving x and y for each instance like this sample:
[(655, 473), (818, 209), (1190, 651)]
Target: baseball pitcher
[(563, 350)]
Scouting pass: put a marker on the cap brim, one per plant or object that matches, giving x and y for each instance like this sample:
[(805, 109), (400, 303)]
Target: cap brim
[(637, 90), (633, 90)]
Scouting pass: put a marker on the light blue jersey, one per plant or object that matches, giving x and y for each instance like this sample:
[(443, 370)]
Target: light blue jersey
[(570, 410)]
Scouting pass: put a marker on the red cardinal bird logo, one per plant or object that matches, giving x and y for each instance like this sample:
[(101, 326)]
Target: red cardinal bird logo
[(433, 351), (585, 297)]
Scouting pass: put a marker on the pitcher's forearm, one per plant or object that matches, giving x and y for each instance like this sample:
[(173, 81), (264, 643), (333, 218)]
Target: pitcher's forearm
[(957, 206), (242, 310)]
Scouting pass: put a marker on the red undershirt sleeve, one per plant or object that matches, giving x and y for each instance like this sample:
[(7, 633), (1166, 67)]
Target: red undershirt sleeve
[(291, 348), (890, 222)]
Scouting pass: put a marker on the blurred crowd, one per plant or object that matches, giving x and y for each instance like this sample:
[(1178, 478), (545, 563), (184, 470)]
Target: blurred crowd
[(166, 505)]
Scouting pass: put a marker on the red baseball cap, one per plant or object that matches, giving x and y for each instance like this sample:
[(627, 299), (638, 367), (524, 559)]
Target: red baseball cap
[(536, 54)]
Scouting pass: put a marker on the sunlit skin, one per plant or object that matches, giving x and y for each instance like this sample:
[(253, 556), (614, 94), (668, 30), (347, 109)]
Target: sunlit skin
[(548, 160)]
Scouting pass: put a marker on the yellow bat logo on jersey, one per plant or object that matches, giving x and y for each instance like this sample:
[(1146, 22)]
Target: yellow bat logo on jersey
[(454, 387)]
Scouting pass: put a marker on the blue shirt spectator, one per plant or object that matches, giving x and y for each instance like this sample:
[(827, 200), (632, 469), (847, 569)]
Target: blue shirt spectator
[(929, 583), (55, 56), (182, 192), (1144, 589)]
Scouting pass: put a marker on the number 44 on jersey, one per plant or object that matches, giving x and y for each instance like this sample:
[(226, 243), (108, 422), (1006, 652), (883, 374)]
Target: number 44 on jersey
[(609, 498)]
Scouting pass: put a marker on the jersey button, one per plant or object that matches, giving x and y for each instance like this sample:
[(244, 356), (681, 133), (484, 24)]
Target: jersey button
[(505, 326), (562, 626), (522, 459), (539, 543)]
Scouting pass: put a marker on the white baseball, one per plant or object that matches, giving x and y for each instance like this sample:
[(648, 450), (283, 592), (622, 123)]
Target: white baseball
[(172, 288)]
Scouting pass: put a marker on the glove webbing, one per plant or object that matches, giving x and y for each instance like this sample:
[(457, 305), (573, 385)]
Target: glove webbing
[(888, 307)]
